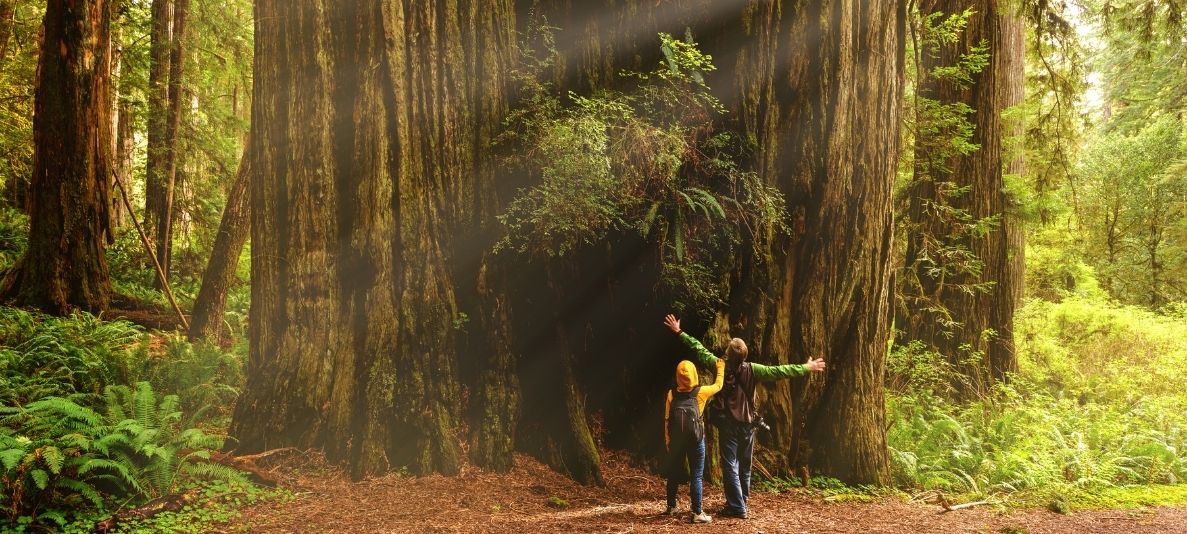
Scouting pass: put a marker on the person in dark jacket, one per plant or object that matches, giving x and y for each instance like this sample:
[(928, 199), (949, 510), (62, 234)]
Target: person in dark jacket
[(736, 434)]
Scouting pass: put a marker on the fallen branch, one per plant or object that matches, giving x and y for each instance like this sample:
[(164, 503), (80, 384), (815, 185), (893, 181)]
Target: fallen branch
[(955, 507), (265, 454), (247, 465), (243, 463), (168, 503)]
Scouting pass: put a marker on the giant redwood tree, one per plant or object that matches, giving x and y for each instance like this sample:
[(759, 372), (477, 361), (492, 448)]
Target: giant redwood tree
[(65, 266), (963, 257), (819, 90), (363, 144), (381, 318)]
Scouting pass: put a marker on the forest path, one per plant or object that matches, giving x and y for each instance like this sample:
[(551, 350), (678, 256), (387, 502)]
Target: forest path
[(519, 502)]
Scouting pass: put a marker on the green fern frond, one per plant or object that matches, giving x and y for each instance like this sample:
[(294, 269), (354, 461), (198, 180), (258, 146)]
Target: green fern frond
[(65, 408), (82, 488), (40, 478), (53, 458)]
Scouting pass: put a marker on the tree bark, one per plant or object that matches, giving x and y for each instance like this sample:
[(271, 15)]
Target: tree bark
[(7, 14), (207, 319), (65, 267), (156, 169), (819, 88), (362, 132), (164, 231), (979, 341), (1003, 359)]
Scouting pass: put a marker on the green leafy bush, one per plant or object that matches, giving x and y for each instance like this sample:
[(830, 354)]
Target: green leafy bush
[(1097, 406), (648, 161), (61, 458), (42, 356), (14, 236)]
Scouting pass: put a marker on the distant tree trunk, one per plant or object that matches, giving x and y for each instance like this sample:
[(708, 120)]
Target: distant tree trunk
[(207, 320), (125, 150), (7, 19), (820, 85), (65, 266), (172, 154), (357, 145), (156, 169), (979, 340), (1003, 359)]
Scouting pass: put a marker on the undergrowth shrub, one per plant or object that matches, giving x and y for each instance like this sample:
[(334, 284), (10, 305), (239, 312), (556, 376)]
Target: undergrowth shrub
[(61, 458), (1098, 404), (14, 236), (42, 356)]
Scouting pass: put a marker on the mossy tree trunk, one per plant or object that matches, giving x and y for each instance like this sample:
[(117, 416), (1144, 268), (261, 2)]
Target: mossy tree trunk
[(975, 329), (65, 266), (366, 149), (7, 16), (820, 85)]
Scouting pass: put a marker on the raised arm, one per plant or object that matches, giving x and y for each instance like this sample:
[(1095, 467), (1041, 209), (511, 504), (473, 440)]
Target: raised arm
[(712, 389), (667, 407), (704, 357)]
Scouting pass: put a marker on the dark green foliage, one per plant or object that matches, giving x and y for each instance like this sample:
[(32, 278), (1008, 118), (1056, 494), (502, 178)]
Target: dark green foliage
[(42, 356), (648, 160), (61, 458), (14, 236)]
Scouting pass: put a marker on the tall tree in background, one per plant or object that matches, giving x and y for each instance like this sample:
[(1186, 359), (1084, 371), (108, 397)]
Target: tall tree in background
[(65, 266), (7, 15), (164, 118), (156, 177), (211, 301), (963, 270)]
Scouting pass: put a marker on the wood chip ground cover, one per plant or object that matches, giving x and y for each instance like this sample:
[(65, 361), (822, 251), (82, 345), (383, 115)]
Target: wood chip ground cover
[(533, 498)]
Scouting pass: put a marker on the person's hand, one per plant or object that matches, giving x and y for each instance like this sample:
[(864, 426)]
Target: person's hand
[(815, 365), (672, 323)]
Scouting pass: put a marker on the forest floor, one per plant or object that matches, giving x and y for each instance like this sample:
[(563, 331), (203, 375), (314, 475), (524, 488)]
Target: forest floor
[(533, 498)]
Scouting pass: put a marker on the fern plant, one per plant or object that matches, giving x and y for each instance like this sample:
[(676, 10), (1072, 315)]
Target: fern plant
[(58, 455)]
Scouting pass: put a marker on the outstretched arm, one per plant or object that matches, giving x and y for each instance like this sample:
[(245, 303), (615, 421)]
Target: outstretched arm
[(770, 373), (704, 357)]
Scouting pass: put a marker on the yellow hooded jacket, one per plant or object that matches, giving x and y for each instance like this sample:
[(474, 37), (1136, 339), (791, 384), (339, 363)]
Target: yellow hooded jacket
[(686, 379)]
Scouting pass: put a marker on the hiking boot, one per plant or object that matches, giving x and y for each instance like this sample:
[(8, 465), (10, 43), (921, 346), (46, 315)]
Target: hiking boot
[(730, 512), (701, 518), (671, 510)]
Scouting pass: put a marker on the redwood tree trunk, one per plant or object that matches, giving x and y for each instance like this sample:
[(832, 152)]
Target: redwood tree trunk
[(820, 88), (65, 266), (207, 319), (362, 129), (156, 170), (978, 338), (7, 14), (168, 213)]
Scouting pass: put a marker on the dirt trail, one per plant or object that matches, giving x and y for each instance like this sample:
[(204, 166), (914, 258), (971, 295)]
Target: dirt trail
[(519, 503)]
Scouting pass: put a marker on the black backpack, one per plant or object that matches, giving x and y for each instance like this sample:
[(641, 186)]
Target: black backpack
[(718, 408), (684, 419)]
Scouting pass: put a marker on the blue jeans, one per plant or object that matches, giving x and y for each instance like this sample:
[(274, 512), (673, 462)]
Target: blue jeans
[(737, 451), (696, 463)]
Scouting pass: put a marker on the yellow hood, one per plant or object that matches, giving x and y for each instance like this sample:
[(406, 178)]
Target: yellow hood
[(686, 376)]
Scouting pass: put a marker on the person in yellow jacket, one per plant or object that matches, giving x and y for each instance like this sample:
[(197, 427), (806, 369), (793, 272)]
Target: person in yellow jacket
[(684, 434)]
